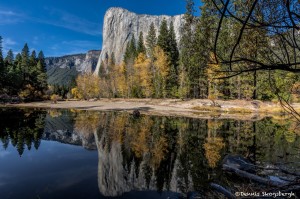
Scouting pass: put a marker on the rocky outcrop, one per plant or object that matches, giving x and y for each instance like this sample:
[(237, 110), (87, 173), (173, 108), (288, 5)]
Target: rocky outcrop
[(63, 70), (84, 63), (119, 26)]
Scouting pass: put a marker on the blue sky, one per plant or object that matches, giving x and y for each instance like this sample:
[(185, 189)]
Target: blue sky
[(60, 27)]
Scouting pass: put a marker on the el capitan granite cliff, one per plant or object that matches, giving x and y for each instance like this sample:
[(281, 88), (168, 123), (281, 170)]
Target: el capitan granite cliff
[(119, 26)]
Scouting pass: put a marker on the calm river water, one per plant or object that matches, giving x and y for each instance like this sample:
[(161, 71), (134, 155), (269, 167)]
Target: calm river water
[(47, 154)]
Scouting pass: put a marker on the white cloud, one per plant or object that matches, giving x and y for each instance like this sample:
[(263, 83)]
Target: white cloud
[(54, 17), (80, 43), (69, 21), (8, 44), (9, 17)]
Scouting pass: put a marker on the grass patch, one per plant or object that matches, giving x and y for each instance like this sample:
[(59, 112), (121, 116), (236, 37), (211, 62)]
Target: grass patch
[(216, 109), (208, 109), (274, 110), (239, 110)]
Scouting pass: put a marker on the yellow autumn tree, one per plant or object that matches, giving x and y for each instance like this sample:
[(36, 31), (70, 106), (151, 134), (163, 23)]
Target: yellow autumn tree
[(161, 71), (143, 77), (213, 144), (213, 82), (88, 86), (120, 79)]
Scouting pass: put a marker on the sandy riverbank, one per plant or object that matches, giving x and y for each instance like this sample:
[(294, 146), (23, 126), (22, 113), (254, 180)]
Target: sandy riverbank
[(235, 109)]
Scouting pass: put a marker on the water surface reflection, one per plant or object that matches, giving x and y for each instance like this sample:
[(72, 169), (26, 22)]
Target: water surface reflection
[(160, 156)]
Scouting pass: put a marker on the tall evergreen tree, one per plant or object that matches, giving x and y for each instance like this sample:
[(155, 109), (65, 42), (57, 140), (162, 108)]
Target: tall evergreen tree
[(151, 40), (186, 46), (25, 62), (33, 60), (1, 52), (172, 81), (132, 47), (173, 48), (2, 69), (140, 46), (131, 51), (41, 59), (9, 57), (163, 36)]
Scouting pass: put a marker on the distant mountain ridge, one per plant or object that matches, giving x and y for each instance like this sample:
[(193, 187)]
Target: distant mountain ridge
[(62, 70)]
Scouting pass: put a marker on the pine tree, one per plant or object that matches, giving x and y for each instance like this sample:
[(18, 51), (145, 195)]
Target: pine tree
[(41, 59), (132, 47), (10, 57), (129, 58), (163, 36), (140, 46), (131, 51), (186, 46), (41, 77), (173, 48), (151, 40), (1, 53), (2, 68), (172, 82), (25, 62), (42, 72), (33, 70)]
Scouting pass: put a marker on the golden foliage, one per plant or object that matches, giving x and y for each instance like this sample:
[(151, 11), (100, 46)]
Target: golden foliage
[(54, 98), (54, 113), (161, 71), (88, 86), (140, 136), (121, 80), (76, 93), (213, 73), (159, 151), (212, 148), (87, 128), (143, 76)]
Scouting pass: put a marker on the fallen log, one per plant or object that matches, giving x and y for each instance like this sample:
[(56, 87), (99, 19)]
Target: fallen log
[(222, 190), (253, 177), (289, 172)]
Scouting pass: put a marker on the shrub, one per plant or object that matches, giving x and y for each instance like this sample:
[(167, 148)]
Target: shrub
[(54, 98)]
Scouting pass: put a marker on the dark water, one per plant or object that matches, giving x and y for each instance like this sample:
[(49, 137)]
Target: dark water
[(50, 154)]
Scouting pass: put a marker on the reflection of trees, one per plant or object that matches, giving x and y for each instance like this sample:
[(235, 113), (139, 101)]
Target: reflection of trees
[(156, 153), (22, 127), (86, 123), (213, 144)]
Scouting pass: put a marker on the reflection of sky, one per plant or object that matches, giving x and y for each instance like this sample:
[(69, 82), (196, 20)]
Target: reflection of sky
[(3, 153), (52, 169)]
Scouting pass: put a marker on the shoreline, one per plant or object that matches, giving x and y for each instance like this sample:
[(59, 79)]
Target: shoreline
[(194, 108)]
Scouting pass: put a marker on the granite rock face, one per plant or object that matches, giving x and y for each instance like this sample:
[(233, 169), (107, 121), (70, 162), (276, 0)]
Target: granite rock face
[(84, 63), (119, 26), (63, 70)]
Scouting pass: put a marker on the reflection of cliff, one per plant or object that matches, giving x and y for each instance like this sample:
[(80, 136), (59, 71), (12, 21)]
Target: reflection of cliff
[(135, 155), (59, 126), (151, 153)]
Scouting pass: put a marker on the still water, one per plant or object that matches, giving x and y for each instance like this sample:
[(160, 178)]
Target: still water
[(57, 154)]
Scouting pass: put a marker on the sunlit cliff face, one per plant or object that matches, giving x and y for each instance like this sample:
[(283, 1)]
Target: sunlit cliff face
[(120, 25)]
